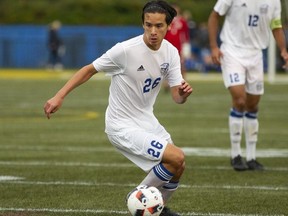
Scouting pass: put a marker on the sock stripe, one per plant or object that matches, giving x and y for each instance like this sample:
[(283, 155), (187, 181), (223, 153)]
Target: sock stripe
[(251, 115), (162, 173), (235, 113), (171, 185)]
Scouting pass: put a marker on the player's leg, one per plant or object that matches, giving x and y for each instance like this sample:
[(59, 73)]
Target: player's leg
[(174, 160), (254, 89), (163, 162), (234, 77), (251, 129), (236, 116), (166, 175)]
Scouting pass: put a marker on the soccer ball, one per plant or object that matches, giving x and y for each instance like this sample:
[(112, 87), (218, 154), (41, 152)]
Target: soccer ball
[(145, 201)]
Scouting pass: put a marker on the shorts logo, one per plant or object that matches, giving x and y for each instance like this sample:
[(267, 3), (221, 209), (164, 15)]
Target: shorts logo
[(259, 86)]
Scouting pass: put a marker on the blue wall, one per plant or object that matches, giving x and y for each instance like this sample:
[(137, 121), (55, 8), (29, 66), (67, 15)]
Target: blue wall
[(25, 46)]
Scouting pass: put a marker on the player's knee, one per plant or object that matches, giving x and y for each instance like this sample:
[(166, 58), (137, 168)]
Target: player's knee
[(240, 104), (174, 159), (179, 160)]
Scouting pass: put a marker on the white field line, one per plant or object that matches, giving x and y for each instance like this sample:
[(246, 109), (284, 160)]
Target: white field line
[(99, 211), (221, 152), (9, 178), (116, 165), (189, 151), (65, 164), (95, 184), (92, 211)]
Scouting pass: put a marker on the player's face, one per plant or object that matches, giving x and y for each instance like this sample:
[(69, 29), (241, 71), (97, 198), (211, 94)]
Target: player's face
[(155, 29)]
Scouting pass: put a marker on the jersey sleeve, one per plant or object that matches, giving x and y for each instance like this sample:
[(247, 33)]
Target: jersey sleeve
[(113, 61), (174, 75), (222, 6)]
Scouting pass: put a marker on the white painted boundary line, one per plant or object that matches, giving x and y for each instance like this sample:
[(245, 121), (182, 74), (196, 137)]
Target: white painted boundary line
[(114, 165), (10, 178), (95, 184), (93, 211), (99, 211), (65, 164), (221, 152), (189, 151)]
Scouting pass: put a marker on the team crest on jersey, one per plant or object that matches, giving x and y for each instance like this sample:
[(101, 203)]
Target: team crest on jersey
[(164, 68), (264, 9)]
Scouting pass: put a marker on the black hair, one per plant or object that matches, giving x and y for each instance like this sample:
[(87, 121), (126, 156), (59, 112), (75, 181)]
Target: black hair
[(158, 6)]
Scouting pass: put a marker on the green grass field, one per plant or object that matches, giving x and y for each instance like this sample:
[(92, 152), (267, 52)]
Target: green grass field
[(66, 165)]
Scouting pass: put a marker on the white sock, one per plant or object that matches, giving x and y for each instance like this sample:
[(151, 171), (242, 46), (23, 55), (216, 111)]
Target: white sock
[(168, 189), (251, 128), (235, 128), (160, 177), (157, 177)]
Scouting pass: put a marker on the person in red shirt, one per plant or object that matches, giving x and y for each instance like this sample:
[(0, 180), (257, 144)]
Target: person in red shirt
[(178, 35)]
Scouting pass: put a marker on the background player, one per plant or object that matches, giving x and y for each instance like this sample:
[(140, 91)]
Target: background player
[(244, 35)]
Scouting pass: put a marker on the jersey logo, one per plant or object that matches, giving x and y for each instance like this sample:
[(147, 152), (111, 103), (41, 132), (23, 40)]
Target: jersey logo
[(164, 68), (141, 68), (264, 9)]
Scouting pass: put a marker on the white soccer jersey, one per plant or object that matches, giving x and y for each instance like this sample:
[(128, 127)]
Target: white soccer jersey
[(137, 73), (248, 22)]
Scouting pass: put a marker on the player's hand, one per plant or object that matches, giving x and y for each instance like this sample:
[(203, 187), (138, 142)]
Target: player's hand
[(185, 89), (216, 55), (285, 58), (52, 105)]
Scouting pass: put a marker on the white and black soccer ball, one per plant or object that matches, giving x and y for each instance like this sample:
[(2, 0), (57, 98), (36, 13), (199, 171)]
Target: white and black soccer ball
[(145, 201)]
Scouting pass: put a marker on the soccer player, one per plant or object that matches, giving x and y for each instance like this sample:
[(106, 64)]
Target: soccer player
[(245, 34), (137, 68)]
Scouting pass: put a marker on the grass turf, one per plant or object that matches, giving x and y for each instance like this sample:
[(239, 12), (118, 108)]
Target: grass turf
[(67, 166)]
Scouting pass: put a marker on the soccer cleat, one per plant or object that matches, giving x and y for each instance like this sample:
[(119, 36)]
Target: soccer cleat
[(238, 164), (167, 212), (254, 165)]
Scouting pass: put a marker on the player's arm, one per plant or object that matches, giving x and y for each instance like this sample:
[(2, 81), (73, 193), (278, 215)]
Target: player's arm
[(280, 39), (81, 76), (181, 93), (213, 25)]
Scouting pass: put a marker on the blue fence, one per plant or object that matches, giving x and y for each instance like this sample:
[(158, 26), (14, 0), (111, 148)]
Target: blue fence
[(25, 46)]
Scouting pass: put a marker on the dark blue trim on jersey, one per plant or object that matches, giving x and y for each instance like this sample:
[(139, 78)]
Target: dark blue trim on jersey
[(251, 115), (235, 113), (162, 173)]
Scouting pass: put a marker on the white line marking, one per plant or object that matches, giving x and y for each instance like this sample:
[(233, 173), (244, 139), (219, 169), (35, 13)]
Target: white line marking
[(195, 151), (279, 169), (94, 211), (58, 149), (10, 178), (99, 211), (116, 165), (65, 164), (96, 184), (221, 152)]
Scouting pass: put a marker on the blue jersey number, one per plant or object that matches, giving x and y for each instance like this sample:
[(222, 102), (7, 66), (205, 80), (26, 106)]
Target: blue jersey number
[(150, 84), (234, 78), (253, 20), (155, 149)]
